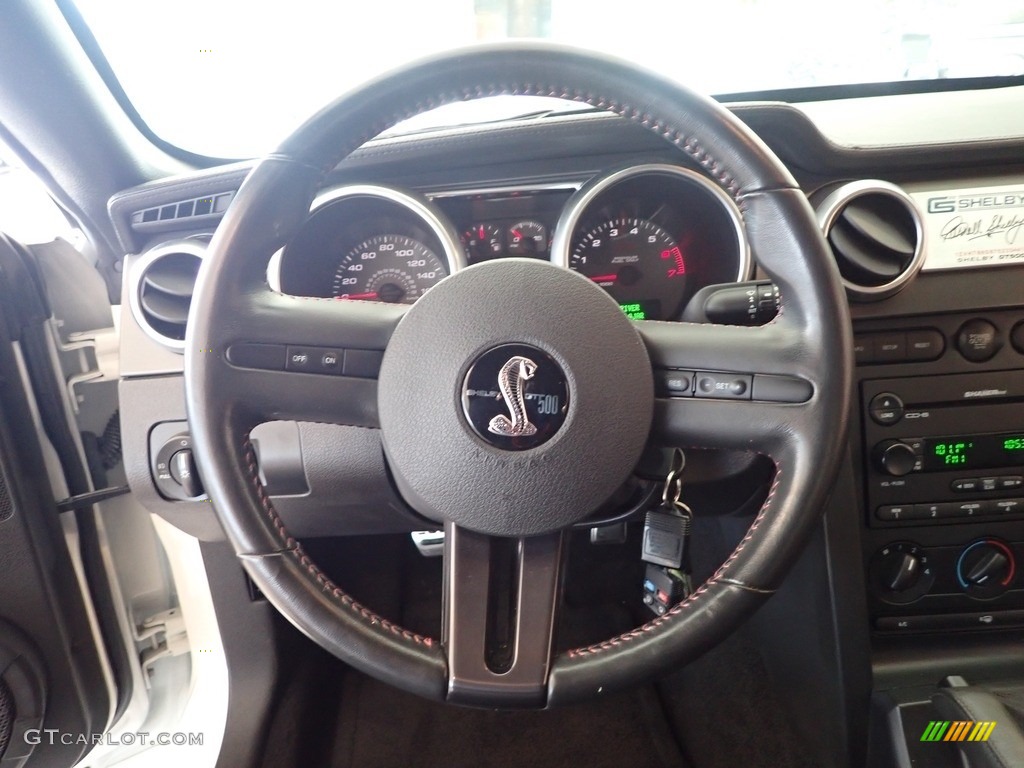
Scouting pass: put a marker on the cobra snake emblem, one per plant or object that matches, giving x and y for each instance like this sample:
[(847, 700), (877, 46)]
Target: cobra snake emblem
[(511, 378)]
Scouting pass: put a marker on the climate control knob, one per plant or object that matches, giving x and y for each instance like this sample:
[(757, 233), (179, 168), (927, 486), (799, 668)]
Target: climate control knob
[(901, 573), (895, 458), (985, 569)]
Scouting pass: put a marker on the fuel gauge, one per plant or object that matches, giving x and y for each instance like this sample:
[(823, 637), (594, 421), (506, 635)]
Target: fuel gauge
[(483, 241), (528, 238)]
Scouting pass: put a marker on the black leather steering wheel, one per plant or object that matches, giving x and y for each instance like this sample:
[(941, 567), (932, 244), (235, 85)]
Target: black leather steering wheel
[(481, 491)]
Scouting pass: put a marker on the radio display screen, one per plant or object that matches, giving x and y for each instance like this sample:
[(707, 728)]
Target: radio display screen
[(973, 452)]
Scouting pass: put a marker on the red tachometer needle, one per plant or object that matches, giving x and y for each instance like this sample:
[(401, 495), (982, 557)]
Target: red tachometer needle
[(604, 278), (359, 296)]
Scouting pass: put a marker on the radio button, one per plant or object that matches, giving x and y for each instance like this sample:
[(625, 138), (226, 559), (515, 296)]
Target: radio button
[(965, 509), (978, 340), (989, 483), (886, 409), (892, 514), (1011, 482), (1005, 506), (925, 345), (932, 511), (966, 485)]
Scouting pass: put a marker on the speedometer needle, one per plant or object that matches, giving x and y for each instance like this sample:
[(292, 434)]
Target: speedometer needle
[(359, 296), (604, 278)]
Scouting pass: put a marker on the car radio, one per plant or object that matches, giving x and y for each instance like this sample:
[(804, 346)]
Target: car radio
[(944, 449)]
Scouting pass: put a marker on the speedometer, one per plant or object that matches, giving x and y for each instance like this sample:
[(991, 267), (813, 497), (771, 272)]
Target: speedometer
[(637, 262), (391, 268)]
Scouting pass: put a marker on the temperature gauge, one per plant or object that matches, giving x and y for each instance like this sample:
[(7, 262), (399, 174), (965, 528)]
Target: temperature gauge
[(528, 238)]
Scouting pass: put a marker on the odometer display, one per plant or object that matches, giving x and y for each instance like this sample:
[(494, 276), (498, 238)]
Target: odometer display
[(637, 262), (391, 268)]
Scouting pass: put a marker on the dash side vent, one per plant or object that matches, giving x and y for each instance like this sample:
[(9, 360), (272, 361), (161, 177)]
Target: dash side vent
[(162, 283), (875, 232)]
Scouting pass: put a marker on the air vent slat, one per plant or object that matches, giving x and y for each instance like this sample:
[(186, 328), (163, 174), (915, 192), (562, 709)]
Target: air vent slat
[(875, 226), (176, 276), (162, 306), (874, 230), (162, 285), (858, 257)]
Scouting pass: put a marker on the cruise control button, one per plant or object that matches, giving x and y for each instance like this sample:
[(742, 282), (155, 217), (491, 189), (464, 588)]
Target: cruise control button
[(925, 345), (782, 389), (978, 340), (247, 355), (676, 383), (300, 359), (364, 363), (728, 386), (329, 361)]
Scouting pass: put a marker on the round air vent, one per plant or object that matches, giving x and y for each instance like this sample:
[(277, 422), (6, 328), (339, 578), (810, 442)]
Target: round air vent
[(876, 235), (162, 283)]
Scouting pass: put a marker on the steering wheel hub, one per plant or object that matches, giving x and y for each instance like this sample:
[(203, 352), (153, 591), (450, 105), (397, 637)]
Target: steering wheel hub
[(514, 398)]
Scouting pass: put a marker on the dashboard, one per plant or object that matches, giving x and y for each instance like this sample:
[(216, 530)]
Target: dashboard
[(924, 529), (651, 235)]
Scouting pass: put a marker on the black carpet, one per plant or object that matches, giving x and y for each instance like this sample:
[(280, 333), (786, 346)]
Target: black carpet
[(379, 727)]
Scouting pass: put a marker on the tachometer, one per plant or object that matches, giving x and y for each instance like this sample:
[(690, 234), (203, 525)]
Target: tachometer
[(637, 262), (391, 268)]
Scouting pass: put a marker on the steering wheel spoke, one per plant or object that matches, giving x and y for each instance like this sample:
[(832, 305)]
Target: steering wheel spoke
[(728, 387), (501, 598), (288, 357)]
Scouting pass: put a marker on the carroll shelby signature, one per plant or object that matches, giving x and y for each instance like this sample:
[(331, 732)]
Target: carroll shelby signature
[(1007, 226)]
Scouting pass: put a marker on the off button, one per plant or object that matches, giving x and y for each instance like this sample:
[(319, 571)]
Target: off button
[(886, 409)]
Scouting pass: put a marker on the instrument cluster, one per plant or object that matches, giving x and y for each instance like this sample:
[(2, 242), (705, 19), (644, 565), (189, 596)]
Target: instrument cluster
[(650, 235)]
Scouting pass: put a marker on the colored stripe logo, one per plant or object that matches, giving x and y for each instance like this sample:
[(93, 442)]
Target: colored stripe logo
[(958, 730)]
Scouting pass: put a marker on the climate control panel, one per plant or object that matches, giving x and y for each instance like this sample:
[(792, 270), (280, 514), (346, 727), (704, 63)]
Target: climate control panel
[(926, 588)]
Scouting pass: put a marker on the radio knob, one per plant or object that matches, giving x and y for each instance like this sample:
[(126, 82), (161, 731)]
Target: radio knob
[(895, 458)]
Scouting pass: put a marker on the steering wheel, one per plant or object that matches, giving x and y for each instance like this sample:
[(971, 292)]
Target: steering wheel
[(486, 487)]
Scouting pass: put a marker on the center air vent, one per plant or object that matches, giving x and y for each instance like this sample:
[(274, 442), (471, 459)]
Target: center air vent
[(874, 230), (162, 283)]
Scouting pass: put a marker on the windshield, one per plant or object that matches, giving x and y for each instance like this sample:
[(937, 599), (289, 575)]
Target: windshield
[(231, 78)]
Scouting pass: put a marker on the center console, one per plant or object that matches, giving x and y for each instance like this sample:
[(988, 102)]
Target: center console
[(941, 404)]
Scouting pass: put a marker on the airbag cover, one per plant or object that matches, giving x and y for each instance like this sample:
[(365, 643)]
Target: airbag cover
[(444, 468)]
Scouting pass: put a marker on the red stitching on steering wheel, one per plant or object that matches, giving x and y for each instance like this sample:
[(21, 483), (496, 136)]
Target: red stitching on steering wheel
[(625, 637), (292, 546)]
